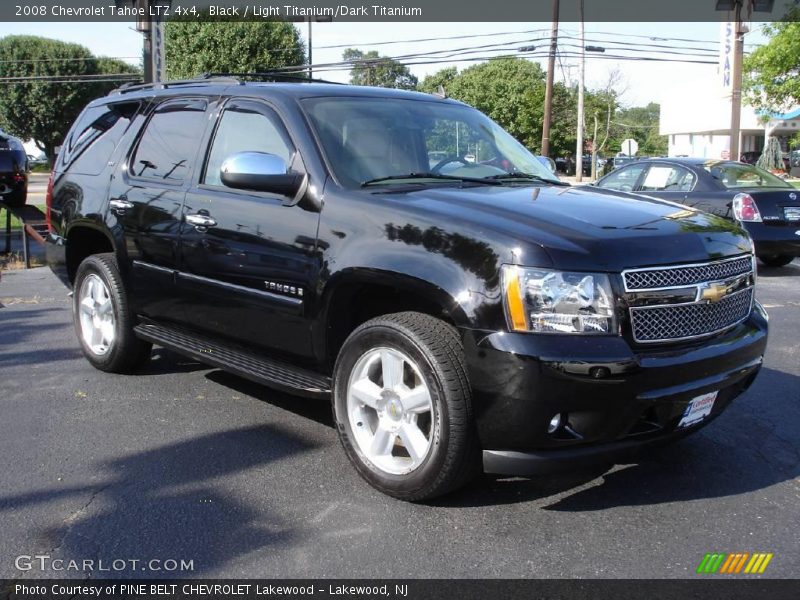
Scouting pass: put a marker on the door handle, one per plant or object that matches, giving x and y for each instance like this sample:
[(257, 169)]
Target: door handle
[(119, 205), (202, 222)]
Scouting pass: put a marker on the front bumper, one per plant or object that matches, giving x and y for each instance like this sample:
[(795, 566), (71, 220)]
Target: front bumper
[(520, 381)]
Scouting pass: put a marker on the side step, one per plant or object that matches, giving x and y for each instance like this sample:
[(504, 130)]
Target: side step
[(267, 371)]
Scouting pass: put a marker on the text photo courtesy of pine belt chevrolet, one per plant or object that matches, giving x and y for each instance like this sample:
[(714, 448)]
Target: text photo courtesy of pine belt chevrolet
[(464, 314), (765, 205)]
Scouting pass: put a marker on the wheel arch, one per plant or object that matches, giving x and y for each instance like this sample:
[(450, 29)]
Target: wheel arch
[(358, 295), (83, 239)]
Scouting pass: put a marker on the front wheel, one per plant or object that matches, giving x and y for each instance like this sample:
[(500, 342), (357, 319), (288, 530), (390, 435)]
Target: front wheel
[(776, 260), (103, 318), (402, 406)]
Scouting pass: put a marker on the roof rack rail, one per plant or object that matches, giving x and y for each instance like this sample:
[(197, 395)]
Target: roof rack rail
[(161, 85), (274, 76)]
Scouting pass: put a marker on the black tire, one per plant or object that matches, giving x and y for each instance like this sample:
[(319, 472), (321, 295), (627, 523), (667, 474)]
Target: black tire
[(776, 260), (126, 352), (436, 348)]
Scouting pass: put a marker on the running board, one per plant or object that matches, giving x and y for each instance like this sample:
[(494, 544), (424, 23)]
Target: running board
[(266, 371)]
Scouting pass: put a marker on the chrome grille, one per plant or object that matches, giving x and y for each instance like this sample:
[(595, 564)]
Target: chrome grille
[(680, 321), (686, 275)]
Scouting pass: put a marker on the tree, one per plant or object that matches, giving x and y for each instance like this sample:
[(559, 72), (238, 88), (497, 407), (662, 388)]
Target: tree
[(510, 90), (44, 110), (641, 124), (600, 108), (369, 68), (443, 77), (193, 47), (770, 72), (563, 120), (771, 158)]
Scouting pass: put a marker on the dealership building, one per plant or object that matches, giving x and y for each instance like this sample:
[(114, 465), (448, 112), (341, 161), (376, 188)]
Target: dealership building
[(702, 129)]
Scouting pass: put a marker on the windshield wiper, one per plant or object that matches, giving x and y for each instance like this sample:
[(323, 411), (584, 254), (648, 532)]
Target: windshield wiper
[(429, 175), (528, 176)]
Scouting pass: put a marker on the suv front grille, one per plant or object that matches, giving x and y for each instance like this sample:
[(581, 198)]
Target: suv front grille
[(660, 311), (681, 321), (686, 275)]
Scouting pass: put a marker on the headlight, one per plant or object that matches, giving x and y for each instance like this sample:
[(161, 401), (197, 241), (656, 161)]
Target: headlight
[(546, 301)]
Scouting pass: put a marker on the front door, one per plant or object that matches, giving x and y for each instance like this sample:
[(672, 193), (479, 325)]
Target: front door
[(249, 259)]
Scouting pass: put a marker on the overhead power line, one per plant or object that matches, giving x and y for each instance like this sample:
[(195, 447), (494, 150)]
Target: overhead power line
[(75, 78), (82, 59)]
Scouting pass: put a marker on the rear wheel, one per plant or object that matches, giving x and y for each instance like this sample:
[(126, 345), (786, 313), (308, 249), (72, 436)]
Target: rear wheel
[(103, 319), (776, 260), (402, 405)]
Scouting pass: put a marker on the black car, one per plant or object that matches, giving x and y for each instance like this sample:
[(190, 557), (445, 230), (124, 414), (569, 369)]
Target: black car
[(13, 171), (615, 162), (750, 157), (766, 205), (567, 165), (460, 315)]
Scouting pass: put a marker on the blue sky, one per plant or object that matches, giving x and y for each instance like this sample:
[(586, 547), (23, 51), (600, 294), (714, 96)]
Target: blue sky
[(642, 81)]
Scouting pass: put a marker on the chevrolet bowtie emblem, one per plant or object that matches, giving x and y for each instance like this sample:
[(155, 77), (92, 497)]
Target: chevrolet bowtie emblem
[(713, 292)]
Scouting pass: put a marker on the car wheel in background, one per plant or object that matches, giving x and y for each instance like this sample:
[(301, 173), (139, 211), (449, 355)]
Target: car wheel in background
[(776, 260)]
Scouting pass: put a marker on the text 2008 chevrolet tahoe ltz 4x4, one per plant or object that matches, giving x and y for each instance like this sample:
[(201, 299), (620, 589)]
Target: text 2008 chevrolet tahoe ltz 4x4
[(403, 255)]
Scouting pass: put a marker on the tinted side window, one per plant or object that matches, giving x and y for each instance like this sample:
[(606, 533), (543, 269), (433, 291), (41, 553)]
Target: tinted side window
[(668, 178), (244, 129), (623, 179), (169, 142), (95, 136)]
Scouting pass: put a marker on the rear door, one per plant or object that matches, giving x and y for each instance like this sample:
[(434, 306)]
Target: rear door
[(668, 181), (681, 184), (248, 274), (146, 197)]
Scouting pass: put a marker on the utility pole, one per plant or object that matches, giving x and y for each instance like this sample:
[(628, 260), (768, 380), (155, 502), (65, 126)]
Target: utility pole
[(548, 91), (581, 75), (151, 26), (310, 61), (736, 91), (144, 26)]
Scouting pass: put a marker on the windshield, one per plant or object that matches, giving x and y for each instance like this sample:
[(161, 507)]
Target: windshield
[(377, 140), (739, 175)]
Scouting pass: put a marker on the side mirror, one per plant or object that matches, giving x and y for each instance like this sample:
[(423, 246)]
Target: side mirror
[(260, 172)]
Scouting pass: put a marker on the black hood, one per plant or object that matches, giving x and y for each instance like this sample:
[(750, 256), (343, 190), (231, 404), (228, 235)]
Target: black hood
[(584, 228)]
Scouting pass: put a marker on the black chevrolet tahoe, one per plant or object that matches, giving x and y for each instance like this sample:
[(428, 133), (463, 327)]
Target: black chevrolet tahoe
[(402, 255)]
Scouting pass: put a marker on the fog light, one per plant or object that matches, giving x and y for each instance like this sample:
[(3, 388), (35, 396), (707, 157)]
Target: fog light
[(555, 423), (599, 372)]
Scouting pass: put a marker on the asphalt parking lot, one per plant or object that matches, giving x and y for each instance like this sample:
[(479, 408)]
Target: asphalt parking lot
[(187, 463)]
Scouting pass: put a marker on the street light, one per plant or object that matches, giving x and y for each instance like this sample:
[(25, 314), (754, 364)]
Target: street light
[(595, 49)]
